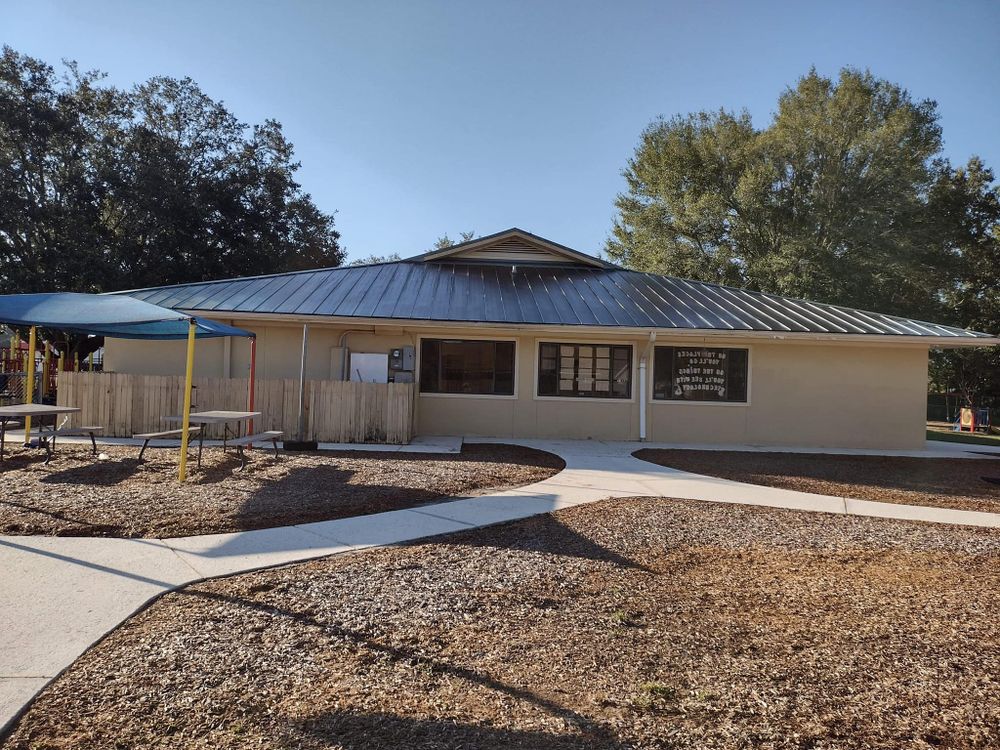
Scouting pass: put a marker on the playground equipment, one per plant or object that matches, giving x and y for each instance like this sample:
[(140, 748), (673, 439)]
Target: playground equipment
[(973, 419)]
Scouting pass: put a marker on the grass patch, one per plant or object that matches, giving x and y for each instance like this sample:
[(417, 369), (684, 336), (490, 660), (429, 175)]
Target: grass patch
[(950, 436)]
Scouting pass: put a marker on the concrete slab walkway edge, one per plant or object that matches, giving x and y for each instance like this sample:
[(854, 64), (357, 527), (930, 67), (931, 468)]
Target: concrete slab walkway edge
[(61, 595)]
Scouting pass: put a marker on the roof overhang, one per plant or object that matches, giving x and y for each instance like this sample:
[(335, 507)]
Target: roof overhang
[(868, 339)]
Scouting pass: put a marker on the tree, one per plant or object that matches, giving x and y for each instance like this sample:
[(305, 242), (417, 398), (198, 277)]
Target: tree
[(829, 201), (373, 259), (968, 206), (444, 241), (103, 189)]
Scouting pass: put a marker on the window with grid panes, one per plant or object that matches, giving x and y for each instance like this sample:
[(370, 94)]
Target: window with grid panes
[(585, 370)]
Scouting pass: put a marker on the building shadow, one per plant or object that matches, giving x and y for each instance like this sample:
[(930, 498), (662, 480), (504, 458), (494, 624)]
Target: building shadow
[(377, 731), (945, 477), (544, 534)]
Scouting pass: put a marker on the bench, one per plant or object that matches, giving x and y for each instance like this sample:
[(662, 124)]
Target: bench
[(145, 437), (48, 437), (271, 436), (7, 424)]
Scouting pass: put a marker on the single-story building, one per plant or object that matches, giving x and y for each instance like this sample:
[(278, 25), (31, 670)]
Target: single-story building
[(513, 335)]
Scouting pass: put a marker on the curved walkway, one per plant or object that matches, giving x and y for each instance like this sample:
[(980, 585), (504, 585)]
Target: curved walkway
[(60, 595)]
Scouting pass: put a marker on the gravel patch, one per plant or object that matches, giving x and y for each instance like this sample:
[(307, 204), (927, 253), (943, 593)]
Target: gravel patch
[(634, 623), (962, 484), (78, 495)]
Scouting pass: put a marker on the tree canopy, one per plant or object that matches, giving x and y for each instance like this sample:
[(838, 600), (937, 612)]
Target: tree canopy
[(104, 189), (844, 197)]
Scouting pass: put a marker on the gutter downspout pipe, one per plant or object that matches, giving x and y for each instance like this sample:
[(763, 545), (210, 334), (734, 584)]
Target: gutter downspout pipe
[(642, 387)]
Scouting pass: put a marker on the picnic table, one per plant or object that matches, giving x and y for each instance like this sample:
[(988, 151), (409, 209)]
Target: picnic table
[(225, 418), (15, 412)]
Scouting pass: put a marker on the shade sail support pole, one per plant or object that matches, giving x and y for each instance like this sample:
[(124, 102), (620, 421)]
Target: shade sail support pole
[(302, 383), (186, 418), (29, 383)]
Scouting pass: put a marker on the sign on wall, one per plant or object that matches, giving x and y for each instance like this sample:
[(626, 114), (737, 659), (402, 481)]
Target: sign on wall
[(700, 374)]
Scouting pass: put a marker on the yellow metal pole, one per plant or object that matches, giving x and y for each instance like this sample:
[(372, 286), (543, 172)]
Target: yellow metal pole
[(29, 385), (188, 381), (46, 357)]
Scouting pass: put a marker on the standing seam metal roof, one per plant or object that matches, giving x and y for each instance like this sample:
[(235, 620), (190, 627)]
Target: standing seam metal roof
[(545, 294)]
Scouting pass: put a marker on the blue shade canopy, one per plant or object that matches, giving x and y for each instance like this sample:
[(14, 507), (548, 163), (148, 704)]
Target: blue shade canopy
[(106, 315)]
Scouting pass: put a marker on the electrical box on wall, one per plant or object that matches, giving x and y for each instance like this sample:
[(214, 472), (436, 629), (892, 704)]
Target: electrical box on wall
[(402, 358), (369, 368)]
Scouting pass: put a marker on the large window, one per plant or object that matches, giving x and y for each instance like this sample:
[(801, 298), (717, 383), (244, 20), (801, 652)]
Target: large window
[(585, 370), (474, 367), (683, 373)]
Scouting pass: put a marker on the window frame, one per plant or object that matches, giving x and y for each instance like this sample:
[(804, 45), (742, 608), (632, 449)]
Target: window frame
[(700, 345), (461, 337), (633, 369)]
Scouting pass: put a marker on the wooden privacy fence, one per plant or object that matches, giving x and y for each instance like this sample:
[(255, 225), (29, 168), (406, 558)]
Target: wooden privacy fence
[(335, 411)]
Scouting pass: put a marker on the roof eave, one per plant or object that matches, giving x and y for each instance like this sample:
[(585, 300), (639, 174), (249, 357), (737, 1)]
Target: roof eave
[(933, 342)]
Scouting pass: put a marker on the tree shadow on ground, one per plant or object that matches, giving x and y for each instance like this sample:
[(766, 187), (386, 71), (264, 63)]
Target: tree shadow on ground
[(96, 474), (356, 730), (92, 529)]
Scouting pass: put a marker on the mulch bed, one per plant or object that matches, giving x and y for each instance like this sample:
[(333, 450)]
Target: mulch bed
[(636, 623), (78, 495), (962, 484)]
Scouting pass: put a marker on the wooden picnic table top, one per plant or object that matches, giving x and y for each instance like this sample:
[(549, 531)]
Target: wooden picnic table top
[(35, 410), (216, 417)]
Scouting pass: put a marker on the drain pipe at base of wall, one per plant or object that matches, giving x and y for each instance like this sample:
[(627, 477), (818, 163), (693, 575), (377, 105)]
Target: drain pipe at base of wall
[(642, 386)]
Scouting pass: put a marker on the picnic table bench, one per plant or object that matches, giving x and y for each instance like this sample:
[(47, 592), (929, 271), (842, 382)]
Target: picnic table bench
[(271, 436), (48, 437), (18, 413), (145, 437)]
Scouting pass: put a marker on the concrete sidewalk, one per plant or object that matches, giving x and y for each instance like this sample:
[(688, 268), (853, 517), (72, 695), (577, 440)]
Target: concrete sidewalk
[(59, 595)]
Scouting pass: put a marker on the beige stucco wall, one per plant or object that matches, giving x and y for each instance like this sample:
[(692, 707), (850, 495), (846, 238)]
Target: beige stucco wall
[(813, 395), (809, 394)]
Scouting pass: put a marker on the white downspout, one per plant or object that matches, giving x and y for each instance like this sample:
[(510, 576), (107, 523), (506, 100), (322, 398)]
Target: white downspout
[(643, 394), (642, 398)]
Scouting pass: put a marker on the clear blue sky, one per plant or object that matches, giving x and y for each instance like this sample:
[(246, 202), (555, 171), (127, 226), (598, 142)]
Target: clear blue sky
[(412, 119)]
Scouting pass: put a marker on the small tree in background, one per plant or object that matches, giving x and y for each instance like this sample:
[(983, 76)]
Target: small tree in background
[(444, 241)]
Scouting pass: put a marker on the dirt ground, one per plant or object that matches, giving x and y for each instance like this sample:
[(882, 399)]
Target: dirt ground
[(964, 484), (78, 495), (636, 623)]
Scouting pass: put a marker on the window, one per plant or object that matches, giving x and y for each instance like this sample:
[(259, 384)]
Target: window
[(585, 370), (473, 367), (700, 374)]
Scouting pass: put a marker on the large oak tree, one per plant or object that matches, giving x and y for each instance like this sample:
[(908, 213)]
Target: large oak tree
[(843, 197), (104, 189)]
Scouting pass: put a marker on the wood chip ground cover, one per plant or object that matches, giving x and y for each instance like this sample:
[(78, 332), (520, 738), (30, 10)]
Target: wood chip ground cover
[(962, 484), (78, 495), (635, 623)]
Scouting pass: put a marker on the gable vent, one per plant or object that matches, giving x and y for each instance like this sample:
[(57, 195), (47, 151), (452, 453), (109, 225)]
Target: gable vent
[(512, 250)]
